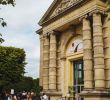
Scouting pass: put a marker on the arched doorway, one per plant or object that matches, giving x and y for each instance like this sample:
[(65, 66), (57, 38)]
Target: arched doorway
[(74, 66)]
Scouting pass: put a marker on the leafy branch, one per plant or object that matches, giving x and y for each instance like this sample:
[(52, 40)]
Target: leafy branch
[(5, 2), (1, 39), (108, 2), (2, 22)]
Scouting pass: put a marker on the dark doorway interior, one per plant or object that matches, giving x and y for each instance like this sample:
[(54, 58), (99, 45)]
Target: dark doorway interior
[(78, 78)]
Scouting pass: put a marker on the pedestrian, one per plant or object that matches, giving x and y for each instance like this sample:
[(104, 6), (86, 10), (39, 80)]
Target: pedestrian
[(33, 95), (3, 95), (44, 97), (24, 95), (38, 97), (9, 96), (0, 97), (29, 96), (14, 97)]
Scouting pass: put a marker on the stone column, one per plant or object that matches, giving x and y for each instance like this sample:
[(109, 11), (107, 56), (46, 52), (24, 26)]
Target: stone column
[(99, 70), (88, 63), (107, 50), (41, 60), (52, 64), (46, 63)]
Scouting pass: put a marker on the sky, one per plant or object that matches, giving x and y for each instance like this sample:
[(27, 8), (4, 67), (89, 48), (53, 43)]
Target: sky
[(22, 22)]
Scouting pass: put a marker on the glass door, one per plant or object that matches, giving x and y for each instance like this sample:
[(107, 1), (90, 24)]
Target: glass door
[(78, 78)]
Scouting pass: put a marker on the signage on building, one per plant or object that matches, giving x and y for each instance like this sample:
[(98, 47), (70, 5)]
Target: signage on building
[(75, 46), (12, 91)]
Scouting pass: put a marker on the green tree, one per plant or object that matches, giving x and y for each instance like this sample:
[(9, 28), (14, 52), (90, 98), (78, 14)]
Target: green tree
[(108, 2), (5, 2), (12, 63), (36, 87), (1, 39), (25, 84)]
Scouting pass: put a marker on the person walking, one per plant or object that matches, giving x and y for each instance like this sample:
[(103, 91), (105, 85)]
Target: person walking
[(44, 97), (14, 97), (9, 96), (38, 97)]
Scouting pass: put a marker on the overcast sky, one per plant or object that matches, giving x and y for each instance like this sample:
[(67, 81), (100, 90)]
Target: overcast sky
[(20, 31)]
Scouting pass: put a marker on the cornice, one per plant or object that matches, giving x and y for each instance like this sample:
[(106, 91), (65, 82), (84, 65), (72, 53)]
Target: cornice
[(88, 11), (39, 31)]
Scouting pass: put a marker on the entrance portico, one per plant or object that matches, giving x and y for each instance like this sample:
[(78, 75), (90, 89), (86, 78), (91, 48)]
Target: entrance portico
[(75, 49)]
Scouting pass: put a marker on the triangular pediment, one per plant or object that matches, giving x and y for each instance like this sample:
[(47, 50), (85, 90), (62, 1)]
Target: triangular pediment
[(63, 5), (57, 7), (60, 6)]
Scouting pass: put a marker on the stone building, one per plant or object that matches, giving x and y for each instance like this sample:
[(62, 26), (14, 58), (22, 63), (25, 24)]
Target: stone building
[(75, 50)]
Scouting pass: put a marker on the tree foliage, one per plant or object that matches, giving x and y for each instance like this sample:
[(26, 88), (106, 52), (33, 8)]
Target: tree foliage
[(12, 63), (25, 84), (1, 39), (108, 1), (5, 2), (2, 22), (36, 87)]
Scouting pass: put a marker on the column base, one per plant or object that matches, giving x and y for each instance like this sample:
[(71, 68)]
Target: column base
[(95, 95), (52, 95)]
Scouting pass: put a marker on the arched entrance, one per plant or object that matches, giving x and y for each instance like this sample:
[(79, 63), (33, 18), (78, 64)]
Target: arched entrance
[(74, 67)]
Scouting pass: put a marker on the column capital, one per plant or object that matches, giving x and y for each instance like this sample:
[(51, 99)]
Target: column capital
[(52, 32), (97, 22), (96, 14), (102, 12), (97, 11), (46, 35), (83, 17), (41, 37), (86, 24)]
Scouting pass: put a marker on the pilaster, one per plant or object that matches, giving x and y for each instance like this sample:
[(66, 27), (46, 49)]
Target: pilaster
[(59, 67), (46, 63), (106, 30), (41, 60), (63, 60)]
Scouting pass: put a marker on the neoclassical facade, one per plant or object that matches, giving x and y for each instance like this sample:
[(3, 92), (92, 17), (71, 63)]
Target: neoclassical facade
[(75, 50)]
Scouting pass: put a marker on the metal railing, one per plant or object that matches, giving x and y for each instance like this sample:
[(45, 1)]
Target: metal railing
[(68, 98), (73, 93)]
